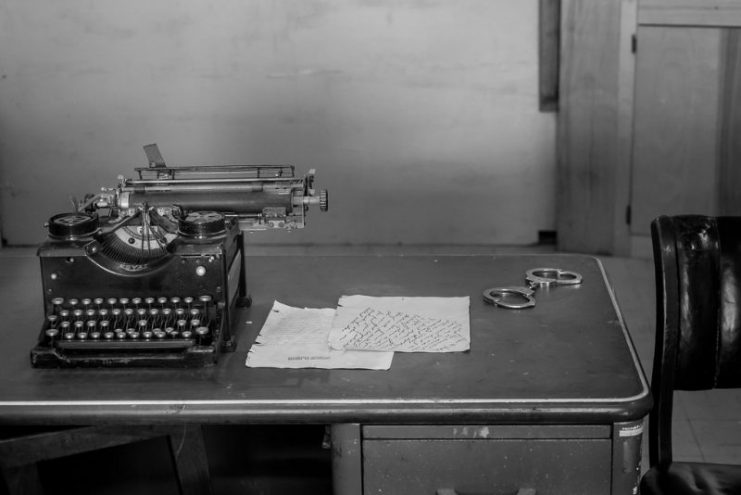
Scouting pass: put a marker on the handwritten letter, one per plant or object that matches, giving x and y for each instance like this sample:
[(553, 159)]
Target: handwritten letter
[(407, 324)]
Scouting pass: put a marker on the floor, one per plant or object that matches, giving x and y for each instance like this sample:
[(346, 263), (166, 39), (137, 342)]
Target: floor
[(707, 425)]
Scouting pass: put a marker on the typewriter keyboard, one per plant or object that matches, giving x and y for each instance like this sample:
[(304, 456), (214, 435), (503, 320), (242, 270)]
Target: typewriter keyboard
[(164, 322)]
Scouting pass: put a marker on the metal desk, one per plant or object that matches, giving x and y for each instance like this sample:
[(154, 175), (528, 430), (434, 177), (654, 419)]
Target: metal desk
[(550, 397)]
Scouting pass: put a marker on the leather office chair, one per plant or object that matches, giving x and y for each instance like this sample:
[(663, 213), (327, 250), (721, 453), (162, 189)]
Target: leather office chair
[(698, 340)]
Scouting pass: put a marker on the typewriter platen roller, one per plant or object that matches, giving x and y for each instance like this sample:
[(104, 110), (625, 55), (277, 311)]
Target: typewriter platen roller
[(150, 272)]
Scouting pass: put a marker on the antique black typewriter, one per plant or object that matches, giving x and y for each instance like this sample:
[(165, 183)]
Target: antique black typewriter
[(150, 272)]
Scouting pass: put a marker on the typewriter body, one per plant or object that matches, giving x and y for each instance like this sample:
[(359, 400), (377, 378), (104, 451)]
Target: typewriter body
[(151, 272)]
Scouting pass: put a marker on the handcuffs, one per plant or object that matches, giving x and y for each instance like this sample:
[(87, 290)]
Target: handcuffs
[(517, 297)]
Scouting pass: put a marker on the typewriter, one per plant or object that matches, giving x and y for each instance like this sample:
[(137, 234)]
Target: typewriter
[(150, 273)]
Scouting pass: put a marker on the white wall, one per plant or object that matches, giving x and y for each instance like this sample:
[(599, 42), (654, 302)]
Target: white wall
[(421, 116)]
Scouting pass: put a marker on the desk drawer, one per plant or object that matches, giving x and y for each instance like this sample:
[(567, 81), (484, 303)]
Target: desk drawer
[(497, 465)]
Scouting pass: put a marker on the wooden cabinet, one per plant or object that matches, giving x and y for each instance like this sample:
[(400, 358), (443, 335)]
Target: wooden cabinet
[(491, 459), (486, 459), (649, 118)]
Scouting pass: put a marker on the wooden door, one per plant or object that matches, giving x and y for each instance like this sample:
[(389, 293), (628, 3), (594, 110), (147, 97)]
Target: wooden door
[(676, 123), (686, 113), (650, 118)]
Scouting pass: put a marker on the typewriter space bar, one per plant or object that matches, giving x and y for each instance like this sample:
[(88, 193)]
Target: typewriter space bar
[(125, 345)]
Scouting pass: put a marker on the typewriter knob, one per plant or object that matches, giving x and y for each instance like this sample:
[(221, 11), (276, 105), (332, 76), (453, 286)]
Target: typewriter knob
[(323, 200), (71, 226)]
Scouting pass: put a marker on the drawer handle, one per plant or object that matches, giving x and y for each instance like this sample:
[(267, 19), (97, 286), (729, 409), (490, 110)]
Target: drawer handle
[(451, 491)]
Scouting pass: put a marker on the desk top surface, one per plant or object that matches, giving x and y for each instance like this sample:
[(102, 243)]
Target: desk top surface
[(569, 359)]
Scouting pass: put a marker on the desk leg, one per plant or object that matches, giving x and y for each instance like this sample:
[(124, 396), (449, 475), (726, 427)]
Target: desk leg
[(191, 463), (626, 457), (347, 459)]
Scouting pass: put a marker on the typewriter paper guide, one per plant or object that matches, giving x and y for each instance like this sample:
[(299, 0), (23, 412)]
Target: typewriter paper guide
[(299, 338), (404, 324)]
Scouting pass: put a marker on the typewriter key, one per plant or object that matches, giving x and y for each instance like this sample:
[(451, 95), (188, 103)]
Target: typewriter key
[(52, 319), (112, 301), (202, 331), (147, 334), (159, 334), (82, 334), (186, 334), (86, 302), (73, 302), (109, 335), (206, 300), (52, 333), (57, 301), (124, 301), (98, 301), (162, 300)]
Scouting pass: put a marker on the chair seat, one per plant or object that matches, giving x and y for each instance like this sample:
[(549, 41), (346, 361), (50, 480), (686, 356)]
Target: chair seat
[(692, 478)]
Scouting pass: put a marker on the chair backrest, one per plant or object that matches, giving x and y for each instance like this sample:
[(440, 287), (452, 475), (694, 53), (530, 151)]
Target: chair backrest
[(698, 314)]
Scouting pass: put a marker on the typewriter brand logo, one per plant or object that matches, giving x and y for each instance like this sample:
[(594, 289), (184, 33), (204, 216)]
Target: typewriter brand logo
[(133, 268)]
